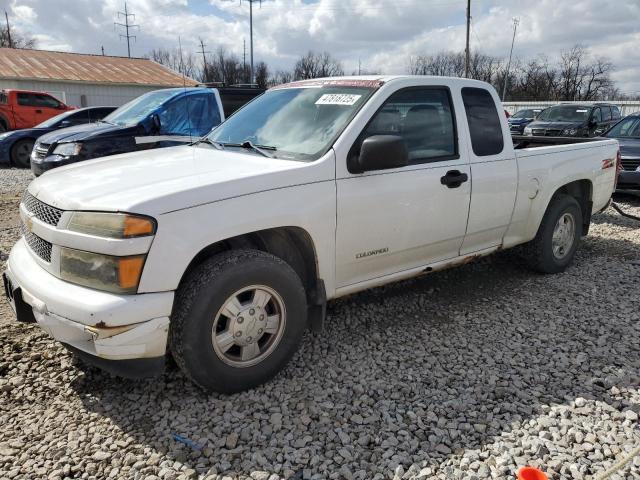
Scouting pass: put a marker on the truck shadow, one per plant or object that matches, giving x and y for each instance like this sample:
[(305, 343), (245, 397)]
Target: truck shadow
[(417, 371)]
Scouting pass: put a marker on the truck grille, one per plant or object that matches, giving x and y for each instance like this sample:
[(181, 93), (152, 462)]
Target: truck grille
[(630, 163), (43, 212), (40, 151), (546, 132), (40, 247)]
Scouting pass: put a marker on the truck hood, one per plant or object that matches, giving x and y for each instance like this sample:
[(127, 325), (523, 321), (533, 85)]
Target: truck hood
[(629, 147), (159, 181), (81, 133)]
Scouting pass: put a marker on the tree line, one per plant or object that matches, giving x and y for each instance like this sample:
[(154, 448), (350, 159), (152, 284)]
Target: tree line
[(576, 75)]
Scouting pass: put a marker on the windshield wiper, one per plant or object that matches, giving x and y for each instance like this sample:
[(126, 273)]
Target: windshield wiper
[(218, 145), (108, 123), (258, 148)]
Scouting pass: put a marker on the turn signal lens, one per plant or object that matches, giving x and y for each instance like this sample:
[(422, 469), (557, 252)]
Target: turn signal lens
[(129, 270), (112, 225)]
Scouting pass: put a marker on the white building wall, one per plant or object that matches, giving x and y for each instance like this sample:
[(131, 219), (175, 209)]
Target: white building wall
[(72, 93)]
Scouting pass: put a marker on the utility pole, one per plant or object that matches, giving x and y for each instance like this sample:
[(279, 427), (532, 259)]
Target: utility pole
[(466, 50), (127, 26), (204, 59), (8, 29), (102, 47), (244, 59), (516, 21), (359, 65), (251, 2)]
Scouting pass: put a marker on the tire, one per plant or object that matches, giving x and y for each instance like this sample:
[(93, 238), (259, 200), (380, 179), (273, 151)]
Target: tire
[(200, 306), (542, 254), (21, 153)]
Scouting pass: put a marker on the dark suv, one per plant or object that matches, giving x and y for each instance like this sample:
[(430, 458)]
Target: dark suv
[(571, 120)]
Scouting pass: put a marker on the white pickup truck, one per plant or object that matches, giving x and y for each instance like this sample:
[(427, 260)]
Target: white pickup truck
[(223, 252)]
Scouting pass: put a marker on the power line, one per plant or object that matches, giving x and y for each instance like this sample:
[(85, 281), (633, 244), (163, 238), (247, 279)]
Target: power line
[(127, 26), (516, 21)]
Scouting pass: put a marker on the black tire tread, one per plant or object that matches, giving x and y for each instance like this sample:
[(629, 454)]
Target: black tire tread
[(14, 147), (191, 287)]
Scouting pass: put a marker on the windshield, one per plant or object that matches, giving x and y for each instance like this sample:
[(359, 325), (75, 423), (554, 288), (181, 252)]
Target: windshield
[(298, 123), (523, 114), (629, 128), (564, 113), (137, 110), (51, 122)]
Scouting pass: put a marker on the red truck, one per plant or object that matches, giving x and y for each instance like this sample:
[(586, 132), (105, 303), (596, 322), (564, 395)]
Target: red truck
[(26, 109)]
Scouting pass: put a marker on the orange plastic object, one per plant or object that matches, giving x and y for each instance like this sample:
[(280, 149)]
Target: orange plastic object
[(531, 473)]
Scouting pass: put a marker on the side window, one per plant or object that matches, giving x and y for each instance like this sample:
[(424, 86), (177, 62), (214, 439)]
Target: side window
[(78, 118), (484, 123), (606, 114), (203, 113), (46, 101), (99, 113), (596, 116), (423, 117), (615, 111), (26, 100)]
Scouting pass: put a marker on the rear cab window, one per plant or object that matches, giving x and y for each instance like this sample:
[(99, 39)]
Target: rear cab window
[(485, 128)]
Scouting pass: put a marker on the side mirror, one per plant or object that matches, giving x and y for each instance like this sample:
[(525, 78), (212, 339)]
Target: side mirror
[(380, 152), (155, 122)]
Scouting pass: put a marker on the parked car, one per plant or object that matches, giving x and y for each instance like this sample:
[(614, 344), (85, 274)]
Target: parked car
[(570, 120), (627, 132), (521, 119), (16, 145), (226, 250), (25, 109), (162, 118)]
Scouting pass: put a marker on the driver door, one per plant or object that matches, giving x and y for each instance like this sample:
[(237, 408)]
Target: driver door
[(398, 219)]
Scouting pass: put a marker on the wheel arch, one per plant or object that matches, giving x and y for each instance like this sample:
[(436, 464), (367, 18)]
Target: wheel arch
[(582, 191), (294, 245)]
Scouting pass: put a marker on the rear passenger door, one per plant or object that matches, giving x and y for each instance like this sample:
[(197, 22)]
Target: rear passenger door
[(494, 172), (26, 112), (398, 219)]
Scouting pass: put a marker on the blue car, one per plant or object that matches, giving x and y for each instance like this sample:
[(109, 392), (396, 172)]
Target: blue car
[(16, 146), (521, 119)]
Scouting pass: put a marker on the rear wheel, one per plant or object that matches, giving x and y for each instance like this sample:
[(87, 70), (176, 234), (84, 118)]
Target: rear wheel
[(21, 153), (555, 244), (238, 319)]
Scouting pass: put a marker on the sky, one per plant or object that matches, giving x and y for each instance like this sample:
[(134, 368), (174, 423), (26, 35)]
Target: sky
[(380, 34)]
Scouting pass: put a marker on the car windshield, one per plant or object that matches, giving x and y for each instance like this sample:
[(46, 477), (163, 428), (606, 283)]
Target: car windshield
[(296, 123), (51, 122), (564, 113), (137, 110), (627, 128), (523, 114)]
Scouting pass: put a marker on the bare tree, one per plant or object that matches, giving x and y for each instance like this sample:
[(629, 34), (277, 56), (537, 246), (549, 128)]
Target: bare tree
[(280, 77), (17, 40), (316, 65), (262, 74), (185, 64)]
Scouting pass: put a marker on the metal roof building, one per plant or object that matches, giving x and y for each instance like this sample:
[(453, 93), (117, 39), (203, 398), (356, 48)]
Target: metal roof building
[(84, 80)]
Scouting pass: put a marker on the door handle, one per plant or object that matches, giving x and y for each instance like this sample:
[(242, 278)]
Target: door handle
[(454, 178), (38, 111)]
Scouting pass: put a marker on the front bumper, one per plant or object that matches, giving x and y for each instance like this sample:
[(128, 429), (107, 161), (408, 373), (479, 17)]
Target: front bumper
[(113, 331), (38, 167), (628, 180)]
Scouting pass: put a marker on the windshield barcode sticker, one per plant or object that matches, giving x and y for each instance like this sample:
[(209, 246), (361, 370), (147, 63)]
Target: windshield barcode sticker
[(338, 99)]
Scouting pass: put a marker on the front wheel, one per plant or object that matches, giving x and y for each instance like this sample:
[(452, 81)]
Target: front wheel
[(555, 244), (238, 319), (21, 153)]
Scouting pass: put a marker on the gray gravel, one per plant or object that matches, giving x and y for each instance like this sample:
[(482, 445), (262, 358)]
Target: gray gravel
[(464, 374)]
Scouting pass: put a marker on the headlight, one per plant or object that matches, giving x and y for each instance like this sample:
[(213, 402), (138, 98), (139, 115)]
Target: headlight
[(102, 272), (68, 149), (112, 225), (570, 132), (528, 131)]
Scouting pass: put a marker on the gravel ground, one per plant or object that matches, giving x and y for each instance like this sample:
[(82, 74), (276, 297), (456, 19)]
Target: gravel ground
[(468, 373)]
